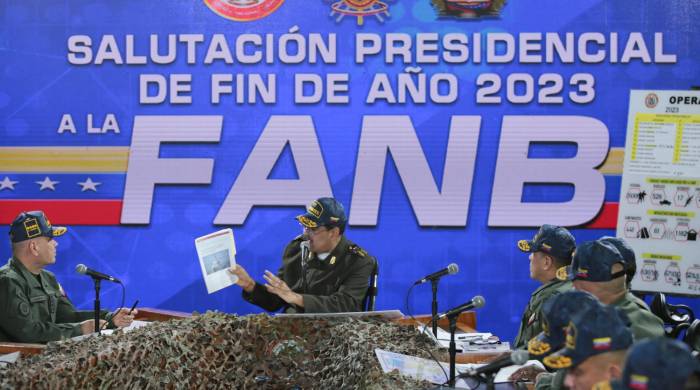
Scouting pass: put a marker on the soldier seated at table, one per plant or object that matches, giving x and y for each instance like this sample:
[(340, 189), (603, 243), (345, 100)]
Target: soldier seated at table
[(333, 276), (34, 306), (550, 251)]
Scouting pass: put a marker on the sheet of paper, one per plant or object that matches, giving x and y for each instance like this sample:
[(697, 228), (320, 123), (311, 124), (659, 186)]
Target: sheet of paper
[(217, 252)]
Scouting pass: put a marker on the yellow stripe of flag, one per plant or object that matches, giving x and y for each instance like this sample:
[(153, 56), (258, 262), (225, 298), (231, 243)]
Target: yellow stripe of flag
[(115, 159), (52, 159), (613, 163)]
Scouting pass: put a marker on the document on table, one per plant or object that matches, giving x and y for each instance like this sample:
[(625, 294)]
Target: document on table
[(429, 370), (217, 252)]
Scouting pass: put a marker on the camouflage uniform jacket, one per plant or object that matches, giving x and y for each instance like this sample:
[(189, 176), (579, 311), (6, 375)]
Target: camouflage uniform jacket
[(531, 323), (644, 323), (34, 307)]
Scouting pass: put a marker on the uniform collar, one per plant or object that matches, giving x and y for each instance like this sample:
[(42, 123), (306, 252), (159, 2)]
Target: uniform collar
[(552, 283), (29, 277)]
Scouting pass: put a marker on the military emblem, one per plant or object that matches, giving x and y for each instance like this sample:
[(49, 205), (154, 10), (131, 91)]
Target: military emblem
[(31, 226), (562, 273), (601, 343), (524, 245), (359, 9), (243, 10), (315, 209), (468, 9), (537, 347), (582, 273), (332, 260)]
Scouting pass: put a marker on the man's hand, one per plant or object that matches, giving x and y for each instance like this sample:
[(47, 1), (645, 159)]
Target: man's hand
[(122, 318), (526, 374), (88, 326), (278, 287), (244, 280)]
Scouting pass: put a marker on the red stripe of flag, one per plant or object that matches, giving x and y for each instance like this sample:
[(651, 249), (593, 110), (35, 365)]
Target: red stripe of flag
[(606, 218), (66, 212)]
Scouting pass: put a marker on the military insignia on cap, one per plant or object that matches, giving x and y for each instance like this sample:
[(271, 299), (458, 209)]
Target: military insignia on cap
[(306, 221), (557, 361), (639, 381), (562, 273), (601, 343), (315, 209), (24, 309), (59, 231), (524, 245), (537, 347), (582, 273), (31, 226)]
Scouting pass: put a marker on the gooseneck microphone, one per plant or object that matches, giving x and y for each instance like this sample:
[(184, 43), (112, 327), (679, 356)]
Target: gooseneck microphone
[(83, 269), (449, 270), (517, 357), (475, 303)]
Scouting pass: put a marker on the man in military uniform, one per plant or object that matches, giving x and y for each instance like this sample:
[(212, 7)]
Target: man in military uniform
[(331, 275), (556, 313), (658, 364), (597, 340), (550, 250), (599, 268), (33, 305)]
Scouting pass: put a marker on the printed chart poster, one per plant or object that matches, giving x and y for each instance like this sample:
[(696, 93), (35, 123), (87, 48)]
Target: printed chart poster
[(660, 199)]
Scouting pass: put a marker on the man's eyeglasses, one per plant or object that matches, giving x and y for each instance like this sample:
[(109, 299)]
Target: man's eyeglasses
[(313, 230)]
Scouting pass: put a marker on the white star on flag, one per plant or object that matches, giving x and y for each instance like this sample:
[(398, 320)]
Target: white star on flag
[(89, 185), (7, 183), (47, 184)]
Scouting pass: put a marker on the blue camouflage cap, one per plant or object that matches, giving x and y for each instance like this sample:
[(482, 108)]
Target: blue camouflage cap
[(323, 212), (656, 364), (593, 261), (556, 313), (594, 331), (30, 224), (554, 240)]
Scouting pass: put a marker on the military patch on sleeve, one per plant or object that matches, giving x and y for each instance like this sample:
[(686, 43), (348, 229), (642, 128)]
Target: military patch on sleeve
[(23, 309), (61, 290), (532, 319), (358, 251)]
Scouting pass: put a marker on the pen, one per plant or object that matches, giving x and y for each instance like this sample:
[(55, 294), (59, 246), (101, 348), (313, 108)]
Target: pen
[(133, 307)]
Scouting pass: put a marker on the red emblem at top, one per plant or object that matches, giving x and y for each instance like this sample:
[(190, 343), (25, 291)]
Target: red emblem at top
[(243, 10)]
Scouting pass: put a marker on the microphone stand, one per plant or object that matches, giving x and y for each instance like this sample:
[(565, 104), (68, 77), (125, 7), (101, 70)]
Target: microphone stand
[(434, 284), (453, 348), (97, 304)]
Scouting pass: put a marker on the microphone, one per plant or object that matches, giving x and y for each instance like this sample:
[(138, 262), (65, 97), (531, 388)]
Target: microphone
[(475, 303), (449, 270), (305, 251), (517, 357), (82, 269)]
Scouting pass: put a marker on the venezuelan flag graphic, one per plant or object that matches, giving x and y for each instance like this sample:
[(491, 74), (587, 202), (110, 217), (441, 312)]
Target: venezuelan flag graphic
[(74, 185)]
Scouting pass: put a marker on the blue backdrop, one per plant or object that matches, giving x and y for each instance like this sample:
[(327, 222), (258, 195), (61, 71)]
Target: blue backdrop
[(157, 260)]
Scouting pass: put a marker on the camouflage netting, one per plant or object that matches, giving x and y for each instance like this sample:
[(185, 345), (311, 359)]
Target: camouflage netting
[(216, 350)]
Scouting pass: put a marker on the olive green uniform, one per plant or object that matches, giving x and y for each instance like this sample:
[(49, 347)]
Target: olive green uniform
[(337, 284), (34, 308), (531, 323), (644, 323)]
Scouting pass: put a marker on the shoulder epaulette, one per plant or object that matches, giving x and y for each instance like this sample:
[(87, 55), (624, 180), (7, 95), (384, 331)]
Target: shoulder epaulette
[(357, 250)]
